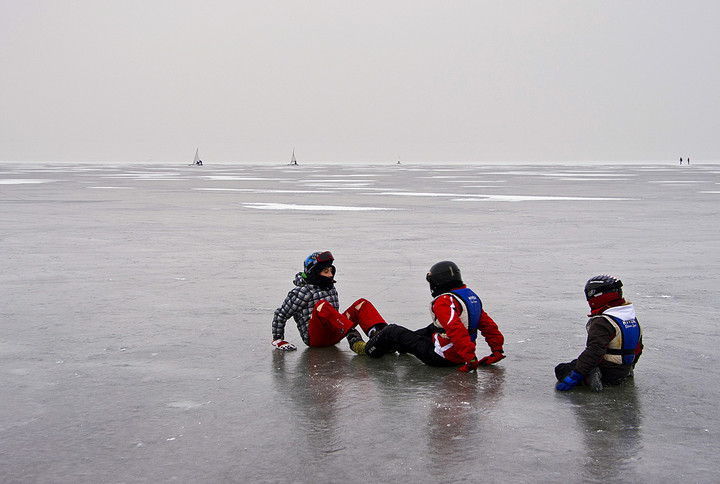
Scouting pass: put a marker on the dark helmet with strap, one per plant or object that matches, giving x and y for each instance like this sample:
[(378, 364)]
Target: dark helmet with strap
[(603, 284), (444, 276)]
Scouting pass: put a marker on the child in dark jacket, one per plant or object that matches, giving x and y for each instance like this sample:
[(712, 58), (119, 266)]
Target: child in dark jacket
[(614, 342)]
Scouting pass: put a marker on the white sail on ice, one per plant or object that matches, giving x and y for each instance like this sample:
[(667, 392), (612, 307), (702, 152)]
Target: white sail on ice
[(197, 160)]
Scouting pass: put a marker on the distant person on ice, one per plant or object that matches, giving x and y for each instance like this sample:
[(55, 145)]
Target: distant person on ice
[(614, 342), (457, 316), (314, 305)]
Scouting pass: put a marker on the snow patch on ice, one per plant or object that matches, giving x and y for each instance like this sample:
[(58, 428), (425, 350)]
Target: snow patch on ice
[(561, 174), (240, 178), (425, 194), (112, 188), (469, 197), (146, 176), (531, 198), (292, 206), (483, 186), (574, 179), (23, 181), (470, 180), (254, 190), (339, 180)]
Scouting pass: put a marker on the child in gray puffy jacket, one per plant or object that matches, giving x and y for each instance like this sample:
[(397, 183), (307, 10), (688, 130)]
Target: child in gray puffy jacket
[(314, 305)]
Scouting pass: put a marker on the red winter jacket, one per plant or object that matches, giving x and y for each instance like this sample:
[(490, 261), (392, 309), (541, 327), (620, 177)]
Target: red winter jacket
[(455, 344)]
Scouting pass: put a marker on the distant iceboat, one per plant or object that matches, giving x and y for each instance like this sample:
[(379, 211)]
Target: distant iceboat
[(197, 161), (293, 161)]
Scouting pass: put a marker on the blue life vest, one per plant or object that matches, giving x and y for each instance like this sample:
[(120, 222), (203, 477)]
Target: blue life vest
[(630, 334), (472, 303)]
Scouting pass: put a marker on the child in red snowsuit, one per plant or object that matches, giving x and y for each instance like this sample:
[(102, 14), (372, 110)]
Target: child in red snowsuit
[(450, 339)]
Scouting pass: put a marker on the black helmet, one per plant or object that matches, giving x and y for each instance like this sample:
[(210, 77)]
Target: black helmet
[(602, 284), (443, 276)]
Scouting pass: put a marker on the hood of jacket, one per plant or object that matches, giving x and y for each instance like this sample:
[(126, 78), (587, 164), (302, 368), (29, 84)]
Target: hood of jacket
[(299, 280)]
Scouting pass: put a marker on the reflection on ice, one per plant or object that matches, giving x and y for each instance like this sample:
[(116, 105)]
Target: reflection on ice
[(611, 431)]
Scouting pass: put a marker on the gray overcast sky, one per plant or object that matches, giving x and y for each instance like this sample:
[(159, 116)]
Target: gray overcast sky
[(418, 80)]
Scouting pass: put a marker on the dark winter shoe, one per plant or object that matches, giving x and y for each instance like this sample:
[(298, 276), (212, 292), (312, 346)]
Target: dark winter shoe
[(376, 329), (372, 349), (595, 380), (356, 342)]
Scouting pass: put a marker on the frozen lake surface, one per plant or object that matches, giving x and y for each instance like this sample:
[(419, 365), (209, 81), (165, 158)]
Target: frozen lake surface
[(136, 303)]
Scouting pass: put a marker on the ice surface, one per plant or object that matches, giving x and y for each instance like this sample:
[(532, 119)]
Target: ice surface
[(137, 301)]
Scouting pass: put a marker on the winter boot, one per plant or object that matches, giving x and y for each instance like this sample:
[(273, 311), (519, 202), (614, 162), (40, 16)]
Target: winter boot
[(378, 327), (595, 380), (377, 344), (356, 342)]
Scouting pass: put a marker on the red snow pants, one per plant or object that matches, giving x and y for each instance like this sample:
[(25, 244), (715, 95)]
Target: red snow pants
[(328, 327)]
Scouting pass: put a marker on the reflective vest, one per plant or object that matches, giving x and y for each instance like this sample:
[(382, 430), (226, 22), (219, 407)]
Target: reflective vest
[(471, 310), (623, 346)]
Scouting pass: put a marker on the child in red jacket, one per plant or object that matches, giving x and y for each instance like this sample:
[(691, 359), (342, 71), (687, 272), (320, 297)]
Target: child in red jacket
[(450, 339)]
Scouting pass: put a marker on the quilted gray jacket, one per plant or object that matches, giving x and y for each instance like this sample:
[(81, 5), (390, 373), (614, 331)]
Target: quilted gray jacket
[(299, 305)]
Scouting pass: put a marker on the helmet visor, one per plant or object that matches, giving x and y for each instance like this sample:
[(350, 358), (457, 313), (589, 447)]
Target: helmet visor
[(325, 256), (317, 259)]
